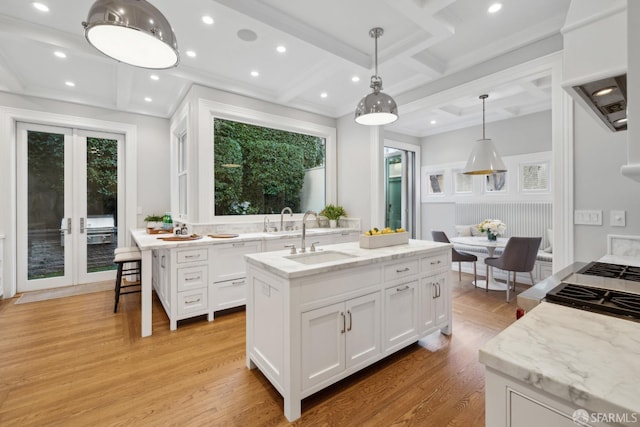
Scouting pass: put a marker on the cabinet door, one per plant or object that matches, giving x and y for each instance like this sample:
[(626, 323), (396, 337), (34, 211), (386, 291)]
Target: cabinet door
[(401, 315), (232, 293), (164, 278), (363, 329), (526, 412), (441, 301), (323, 343), (346, 236), (279, 244), (426, 306)]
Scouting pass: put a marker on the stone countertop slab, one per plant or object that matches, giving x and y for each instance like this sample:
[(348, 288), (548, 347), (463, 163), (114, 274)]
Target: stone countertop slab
[(145, 240), (278, 263), (586, 358)]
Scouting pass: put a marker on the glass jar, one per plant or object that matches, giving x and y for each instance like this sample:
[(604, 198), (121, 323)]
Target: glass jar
[(167, 221)]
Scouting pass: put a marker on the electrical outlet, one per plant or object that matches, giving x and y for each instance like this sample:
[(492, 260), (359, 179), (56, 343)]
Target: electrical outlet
[(587, 217), (617, 218)]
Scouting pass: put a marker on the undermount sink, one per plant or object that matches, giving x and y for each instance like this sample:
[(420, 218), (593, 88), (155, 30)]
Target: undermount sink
[(319, 257)]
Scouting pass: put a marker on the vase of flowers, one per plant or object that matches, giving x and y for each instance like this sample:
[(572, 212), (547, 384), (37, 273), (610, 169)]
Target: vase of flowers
[(493, 228)]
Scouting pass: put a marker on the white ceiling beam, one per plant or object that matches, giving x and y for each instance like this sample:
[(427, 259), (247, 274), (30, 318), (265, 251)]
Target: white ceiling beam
[(9, 79), (321, 72), (281, 21), (533, 89)]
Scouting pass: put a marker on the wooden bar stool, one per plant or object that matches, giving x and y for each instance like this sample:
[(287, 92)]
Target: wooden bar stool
[(127, 256)]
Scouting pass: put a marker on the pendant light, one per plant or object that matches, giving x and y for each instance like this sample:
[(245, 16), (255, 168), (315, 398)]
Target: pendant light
[(377, 108), (484, 158), (133, 32)]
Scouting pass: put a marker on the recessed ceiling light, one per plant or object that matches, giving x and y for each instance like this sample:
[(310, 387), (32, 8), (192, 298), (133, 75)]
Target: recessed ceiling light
[(146, 98), (604, 91), (620, 121), (355, 79), (207, 20), (154, 77), (281, 49), (70, 83), (433, 122), (494, 7), (60, 54), (40, 6), (323, 95), (190, 54), (254, 73)]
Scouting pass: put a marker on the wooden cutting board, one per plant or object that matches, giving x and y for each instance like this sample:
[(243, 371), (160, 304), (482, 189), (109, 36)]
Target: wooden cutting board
[(223, 235), (180, 239)]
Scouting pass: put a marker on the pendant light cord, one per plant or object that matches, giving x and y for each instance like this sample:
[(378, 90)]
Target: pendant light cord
[(376, 52), (483, 97)]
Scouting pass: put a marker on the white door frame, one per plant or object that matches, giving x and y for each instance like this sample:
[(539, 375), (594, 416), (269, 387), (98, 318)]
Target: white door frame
[(8, 186)]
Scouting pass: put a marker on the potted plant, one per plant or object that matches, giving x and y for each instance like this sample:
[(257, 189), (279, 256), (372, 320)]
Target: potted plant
[(333, 214), (153, 221)]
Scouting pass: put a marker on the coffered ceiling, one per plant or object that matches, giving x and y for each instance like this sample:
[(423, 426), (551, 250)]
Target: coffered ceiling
[(427, 47)]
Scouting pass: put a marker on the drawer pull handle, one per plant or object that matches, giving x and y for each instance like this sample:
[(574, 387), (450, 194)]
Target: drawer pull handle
[(238, 244), (239, 282), (403, 270), (192, 256), (191, 279), (435, 262), (402, 289), (193, 301)]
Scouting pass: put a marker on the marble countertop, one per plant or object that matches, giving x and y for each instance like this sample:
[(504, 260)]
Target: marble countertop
[(582, 357), (279, 263), (145, 240)]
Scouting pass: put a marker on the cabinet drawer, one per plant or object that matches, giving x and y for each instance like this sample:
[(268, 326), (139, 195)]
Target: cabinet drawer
[(232, 293), (435, 263), (192, 277), (191, 255), (227, 260), (192, 302), (400, 270)]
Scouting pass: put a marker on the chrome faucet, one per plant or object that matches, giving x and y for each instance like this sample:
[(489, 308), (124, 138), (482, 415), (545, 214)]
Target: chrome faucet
[(304, 228), (282, 216)]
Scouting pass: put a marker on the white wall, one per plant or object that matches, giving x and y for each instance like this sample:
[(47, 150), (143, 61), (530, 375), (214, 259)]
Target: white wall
[(520, 135), (599, 185)]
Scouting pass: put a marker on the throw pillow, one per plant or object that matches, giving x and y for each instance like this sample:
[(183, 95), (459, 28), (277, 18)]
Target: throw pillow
[(463, 230), (549, 249)]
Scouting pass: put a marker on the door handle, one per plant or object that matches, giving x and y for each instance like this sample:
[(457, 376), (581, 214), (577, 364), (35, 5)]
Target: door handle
[(350, 320), (344, 323), (68, 227), (82, 225)]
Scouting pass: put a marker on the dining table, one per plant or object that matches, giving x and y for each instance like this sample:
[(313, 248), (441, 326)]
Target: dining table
[(490, 245)]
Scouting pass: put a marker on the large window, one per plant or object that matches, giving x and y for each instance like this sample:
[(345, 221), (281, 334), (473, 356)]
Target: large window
[(260, 170)]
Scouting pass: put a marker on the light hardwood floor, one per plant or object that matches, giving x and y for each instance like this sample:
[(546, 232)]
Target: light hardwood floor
[(72, 362)]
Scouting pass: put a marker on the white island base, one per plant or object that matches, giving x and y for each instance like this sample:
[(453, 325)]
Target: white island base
[(311, 325)]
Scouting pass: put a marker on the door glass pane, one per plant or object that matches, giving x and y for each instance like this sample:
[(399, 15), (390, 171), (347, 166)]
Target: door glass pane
[(45, 201), (101, 225)]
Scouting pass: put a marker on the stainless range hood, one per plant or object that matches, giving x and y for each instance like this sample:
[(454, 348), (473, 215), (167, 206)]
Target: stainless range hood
[(607, 99)]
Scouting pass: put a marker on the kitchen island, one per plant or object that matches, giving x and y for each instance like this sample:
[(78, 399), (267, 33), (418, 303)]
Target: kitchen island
[(316, 318), (196, 277)]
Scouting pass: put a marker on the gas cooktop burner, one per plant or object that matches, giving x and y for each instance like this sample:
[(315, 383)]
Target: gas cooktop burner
[(594, 299), (614, 271)]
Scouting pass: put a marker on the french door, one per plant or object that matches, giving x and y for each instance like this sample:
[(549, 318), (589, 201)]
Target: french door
[(69, 201), (400, 189)]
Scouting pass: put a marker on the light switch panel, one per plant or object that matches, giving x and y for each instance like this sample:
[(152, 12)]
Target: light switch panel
[(587, 217), (617, 218)]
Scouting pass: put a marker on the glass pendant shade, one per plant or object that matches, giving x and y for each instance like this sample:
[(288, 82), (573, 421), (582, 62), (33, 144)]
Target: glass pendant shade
[(133, 32), (484, 158), (377, 108)]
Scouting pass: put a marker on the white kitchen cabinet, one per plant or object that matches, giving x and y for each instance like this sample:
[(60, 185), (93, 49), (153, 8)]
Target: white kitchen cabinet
[(308, 331), (435, 300), (339, 337), (228, 287), (181, 282), (511, 403), (345, 236), (400, 315)]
